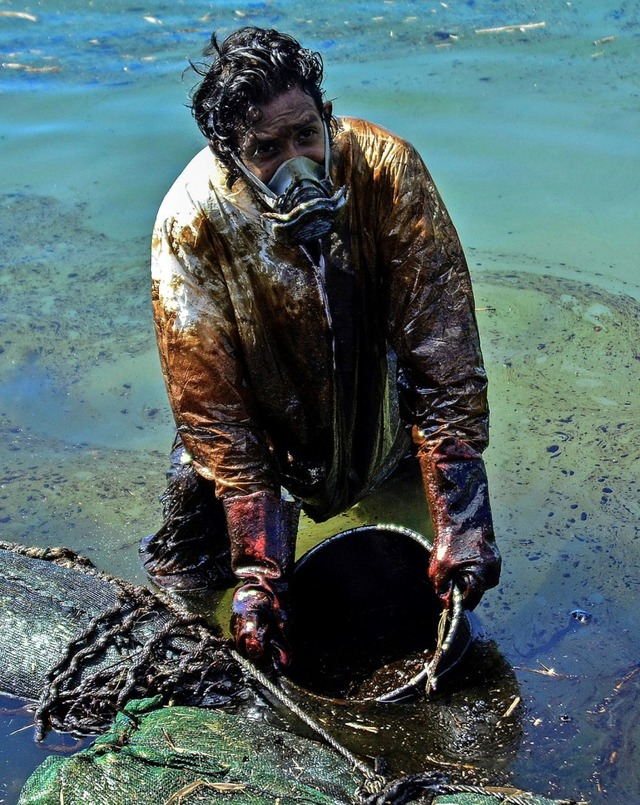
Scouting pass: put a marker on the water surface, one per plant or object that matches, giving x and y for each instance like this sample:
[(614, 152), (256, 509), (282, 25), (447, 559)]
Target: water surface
[(531, 135)]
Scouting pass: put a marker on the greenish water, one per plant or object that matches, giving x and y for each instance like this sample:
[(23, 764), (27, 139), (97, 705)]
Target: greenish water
[(532, 137)]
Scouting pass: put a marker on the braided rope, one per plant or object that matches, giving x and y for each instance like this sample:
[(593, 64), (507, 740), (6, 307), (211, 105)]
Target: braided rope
[(183, 659), (450, 616), (374, 782)]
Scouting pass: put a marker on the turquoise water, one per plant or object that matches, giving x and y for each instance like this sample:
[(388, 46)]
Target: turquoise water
[(532, 136)]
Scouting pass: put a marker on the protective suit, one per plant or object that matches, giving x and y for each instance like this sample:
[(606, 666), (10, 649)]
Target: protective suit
[(311, 368)]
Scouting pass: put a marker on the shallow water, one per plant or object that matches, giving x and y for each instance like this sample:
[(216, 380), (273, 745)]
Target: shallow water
[(531, 135)]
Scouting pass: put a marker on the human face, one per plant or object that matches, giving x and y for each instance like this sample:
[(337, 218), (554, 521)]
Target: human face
[(290, 126)]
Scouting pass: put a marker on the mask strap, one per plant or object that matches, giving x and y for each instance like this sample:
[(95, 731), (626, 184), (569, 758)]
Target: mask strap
[(262, 187), (327, 149)]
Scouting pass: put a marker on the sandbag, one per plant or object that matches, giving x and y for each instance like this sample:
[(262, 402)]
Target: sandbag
[(83, 644), (191, 755)]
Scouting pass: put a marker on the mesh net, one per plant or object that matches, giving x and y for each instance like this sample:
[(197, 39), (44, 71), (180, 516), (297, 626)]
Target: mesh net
[(103, 656), (187, 755), (190, 755), (83, 644)]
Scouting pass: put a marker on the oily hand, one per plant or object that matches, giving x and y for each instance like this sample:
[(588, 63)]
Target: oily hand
[(471, 561), (259, 624)]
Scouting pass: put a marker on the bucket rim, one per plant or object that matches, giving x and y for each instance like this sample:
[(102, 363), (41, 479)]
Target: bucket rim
[(426, 678), (385, 527)]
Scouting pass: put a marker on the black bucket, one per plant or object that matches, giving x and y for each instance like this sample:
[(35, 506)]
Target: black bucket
[(366, 618)]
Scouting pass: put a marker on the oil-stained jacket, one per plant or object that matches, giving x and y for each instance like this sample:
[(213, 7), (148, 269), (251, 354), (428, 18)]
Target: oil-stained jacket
[(308, 370)]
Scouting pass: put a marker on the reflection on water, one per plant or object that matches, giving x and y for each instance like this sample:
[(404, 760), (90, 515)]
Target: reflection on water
[(472, 726), (531, 133), (19, 754)]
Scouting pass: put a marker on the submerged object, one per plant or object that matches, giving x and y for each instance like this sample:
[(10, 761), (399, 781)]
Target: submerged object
[(375, 633), (581, 616)]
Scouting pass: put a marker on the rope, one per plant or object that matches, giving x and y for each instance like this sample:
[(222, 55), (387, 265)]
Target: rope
[(451, 615), (445, 639), (374, 783), (182, 660), (406, 789), (514, 798)]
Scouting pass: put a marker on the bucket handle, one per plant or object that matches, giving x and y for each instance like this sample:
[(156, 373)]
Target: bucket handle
[(427, 676)]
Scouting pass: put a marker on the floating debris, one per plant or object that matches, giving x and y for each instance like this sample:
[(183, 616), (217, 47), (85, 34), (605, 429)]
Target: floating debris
[(510, 28), (27, 68), (364, 727), (19, 15), (581, 616), (509, 711)]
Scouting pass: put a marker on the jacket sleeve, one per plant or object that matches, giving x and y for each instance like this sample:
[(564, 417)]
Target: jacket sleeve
[(432, 327), (431, 317), (202, 362)]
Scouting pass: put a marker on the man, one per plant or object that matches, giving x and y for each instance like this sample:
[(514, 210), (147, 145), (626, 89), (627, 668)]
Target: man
[(314, 316)]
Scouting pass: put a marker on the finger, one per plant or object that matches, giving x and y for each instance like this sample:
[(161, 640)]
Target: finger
[(251, 640), (281, 655), (252, 648), (472, 591), (445, 593)]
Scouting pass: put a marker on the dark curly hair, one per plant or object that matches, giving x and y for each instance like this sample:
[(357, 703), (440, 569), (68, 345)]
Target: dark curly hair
[(249, 69)]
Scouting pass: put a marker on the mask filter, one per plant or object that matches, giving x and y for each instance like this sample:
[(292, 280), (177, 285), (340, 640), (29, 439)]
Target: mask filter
[(303, 208)]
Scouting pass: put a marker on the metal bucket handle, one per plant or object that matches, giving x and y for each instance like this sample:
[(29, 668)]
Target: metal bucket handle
[(427, 676), (448, 628)]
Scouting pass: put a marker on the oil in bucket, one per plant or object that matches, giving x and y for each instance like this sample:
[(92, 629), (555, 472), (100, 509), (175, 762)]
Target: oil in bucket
[(366, 617)]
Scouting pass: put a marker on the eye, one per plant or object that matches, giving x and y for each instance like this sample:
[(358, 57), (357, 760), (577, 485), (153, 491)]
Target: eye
[(265, 149), (307, 134)]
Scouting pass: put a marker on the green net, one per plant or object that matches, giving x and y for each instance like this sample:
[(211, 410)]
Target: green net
[(156, 755), (192, 755)]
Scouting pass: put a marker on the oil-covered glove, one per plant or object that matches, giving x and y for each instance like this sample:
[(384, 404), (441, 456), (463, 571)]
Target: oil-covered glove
[(464, 549), (262, 533)]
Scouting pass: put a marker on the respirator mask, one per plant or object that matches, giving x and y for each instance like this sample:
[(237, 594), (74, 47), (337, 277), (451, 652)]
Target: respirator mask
[(303, 208)]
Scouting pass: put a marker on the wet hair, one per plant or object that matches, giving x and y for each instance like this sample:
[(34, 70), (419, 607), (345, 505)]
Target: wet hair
[(249, 69)]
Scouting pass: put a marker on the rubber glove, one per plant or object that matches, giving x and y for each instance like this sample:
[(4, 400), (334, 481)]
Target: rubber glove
[(262, 533), (464, 550)]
